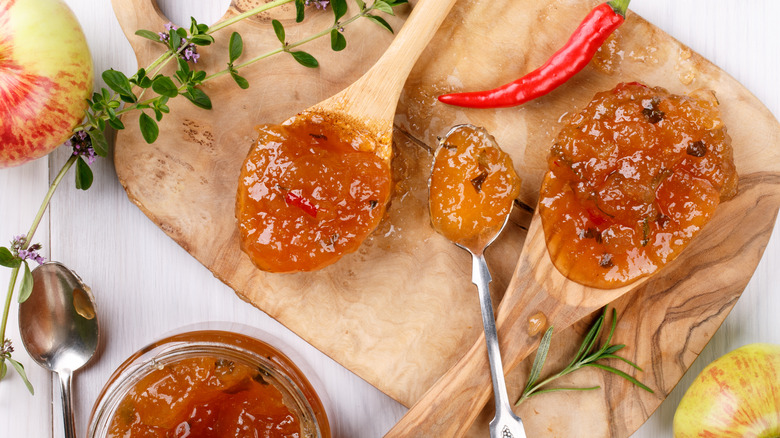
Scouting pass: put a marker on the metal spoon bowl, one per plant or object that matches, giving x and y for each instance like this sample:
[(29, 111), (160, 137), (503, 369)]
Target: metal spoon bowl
[(505, 424), (59, 328)]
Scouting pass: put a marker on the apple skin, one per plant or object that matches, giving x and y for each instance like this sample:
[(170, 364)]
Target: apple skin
[(737, 395), (45, 78)]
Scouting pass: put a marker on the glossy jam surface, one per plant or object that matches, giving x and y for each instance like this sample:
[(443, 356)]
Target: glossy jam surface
[(631, 180), (472, 188), (310, 191), (204, 397)]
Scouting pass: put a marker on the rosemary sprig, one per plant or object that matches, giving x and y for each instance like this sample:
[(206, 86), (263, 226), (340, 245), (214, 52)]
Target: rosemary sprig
[(585, 357)]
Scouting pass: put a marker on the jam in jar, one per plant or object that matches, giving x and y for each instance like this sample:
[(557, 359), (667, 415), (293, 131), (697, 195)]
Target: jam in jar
[(209, 384)]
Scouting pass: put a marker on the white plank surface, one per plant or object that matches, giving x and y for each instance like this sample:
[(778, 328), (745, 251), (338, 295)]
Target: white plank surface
[(147, 285)]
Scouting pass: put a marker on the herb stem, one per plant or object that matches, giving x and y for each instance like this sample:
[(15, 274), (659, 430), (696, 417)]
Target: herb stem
[(249, 13), (160, 59), (243, 64), (300, 42), (7, 308), (28, 238), (535, 389)]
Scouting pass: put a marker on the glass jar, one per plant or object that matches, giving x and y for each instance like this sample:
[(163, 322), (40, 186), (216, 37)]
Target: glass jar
[(201, 346)]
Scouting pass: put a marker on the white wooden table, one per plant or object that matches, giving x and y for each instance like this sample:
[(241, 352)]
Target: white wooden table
[(146, 284)]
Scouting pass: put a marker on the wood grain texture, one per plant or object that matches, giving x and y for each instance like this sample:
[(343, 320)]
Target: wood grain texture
[(650, 65)]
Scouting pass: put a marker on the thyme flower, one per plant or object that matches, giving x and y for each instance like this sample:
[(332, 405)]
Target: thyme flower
[(319, 4), (190, 52), (31, 253), (6, 348), (169, 26), (82, 146)]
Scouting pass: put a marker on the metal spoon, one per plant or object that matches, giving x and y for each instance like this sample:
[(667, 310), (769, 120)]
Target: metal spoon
[(59, 328), (505, 424)]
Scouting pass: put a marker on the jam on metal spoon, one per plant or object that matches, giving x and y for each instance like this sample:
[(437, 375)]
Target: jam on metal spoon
[(472, 188)]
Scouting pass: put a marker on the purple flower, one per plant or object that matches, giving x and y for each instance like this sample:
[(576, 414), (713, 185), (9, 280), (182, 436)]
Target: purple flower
[(319, 4), (82, 145), (191, 53), (31, 253), (170, 26), (6, 348)]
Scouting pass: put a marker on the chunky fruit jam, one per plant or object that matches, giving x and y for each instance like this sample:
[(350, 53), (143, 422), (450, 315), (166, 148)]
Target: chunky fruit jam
[(473, 185), (204, 397), (310, 191), (631, 180)]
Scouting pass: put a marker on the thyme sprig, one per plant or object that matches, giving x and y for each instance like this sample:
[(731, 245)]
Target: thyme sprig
[(129, 94), (587, 356)]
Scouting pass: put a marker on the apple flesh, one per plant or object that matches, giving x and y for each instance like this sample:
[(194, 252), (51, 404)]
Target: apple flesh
[(738, 395), (45, 78)]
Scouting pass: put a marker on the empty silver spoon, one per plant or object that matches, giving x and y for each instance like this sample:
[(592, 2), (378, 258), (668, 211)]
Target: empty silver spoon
[(59, 328), (505, 424)]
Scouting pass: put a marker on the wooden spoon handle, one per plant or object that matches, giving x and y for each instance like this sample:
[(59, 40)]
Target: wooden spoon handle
[(376, 93), (140, 14), (452, 404)]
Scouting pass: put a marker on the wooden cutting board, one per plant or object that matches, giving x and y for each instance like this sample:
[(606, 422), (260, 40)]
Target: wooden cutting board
[(402, 309)]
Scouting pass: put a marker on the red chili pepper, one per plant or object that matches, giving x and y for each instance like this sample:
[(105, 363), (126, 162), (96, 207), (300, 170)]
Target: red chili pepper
[(564, 64), (294, 199)]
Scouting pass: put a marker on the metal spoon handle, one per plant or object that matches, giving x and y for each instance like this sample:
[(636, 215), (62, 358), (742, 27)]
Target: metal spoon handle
[(505, 424), (66, 393)]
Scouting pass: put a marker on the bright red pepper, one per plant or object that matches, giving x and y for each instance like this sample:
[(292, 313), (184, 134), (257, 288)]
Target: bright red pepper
[(564, 64), (294, 199)]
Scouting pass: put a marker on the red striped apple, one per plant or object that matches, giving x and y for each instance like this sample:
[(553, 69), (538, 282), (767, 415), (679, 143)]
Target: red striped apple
[(735, 396), (45, 78)]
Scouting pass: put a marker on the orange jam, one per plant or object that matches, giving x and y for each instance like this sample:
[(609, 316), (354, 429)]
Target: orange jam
[(310, 191), (631, 180), (472, 188), (203, 397)]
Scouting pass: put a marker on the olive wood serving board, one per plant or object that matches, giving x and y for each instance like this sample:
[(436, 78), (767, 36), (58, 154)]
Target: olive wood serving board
[(401, 310)]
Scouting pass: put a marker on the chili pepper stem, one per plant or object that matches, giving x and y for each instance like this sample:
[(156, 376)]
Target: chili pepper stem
[(619, 6)]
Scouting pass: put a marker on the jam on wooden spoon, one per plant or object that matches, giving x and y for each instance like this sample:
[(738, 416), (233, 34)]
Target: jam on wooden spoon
[(632, 179), (313, 188)]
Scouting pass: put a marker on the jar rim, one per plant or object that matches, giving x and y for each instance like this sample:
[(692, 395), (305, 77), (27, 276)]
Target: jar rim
[(272, 363)]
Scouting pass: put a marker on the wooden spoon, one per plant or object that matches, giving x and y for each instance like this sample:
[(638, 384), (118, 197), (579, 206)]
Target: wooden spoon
[(451, 405), (369, 103)]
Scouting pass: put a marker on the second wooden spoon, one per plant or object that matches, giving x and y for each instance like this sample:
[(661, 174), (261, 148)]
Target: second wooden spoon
[(452, 404)]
